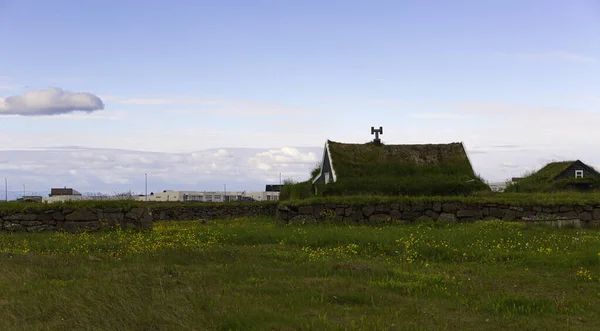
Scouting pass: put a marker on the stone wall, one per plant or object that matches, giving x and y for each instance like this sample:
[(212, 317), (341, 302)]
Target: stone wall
[(206, 212), (51, 219), (92, 219), (427, 211)]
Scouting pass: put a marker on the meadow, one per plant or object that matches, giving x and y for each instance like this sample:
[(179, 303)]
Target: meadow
[(253, 274)]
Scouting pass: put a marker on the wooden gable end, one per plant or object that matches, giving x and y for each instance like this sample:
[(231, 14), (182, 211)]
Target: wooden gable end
[(577, 167), (327, 173)]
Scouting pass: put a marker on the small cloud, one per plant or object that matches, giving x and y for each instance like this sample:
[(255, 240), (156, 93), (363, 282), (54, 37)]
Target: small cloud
[(222, 153), (51, 101)]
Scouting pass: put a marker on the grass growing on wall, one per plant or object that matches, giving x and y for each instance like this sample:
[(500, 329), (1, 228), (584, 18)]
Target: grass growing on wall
[(249, 274), (29, 206), (535, 184), (514, 199)]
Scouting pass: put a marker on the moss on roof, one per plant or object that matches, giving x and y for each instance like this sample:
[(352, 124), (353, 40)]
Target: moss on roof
[(544, 180), (426, 169), (551, 170), (351, 160)]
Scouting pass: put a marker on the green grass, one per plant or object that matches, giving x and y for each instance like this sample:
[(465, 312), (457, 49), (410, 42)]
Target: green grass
[(250, 274), (25, 206), (515, 199)]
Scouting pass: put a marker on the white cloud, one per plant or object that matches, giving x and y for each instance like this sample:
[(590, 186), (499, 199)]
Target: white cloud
[(51, 101), (110, 170)]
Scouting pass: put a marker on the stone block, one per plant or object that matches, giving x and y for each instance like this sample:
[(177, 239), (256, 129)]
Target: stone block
[(432, 214), (81, 215), (305, 210), (73, 227), (585, 216), (30, 223), (368, 210), (348, 211), (379, 219), (437, 207), (410, 215), (471, 213), (317, 210), (596, 214), (37, 228), (133, 213), (417, 206), (509, 216), (396, 214), (14, 227), (569, 214), (449, 207), (382, 208), (447, 217), (497, 212), (423, 218), (565, 208)]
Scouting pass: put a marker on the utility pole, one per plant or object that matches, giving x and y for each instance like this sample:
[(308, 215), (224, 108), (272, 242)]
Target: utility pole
[(6, 189), (23, 190), (146, 186), (280, 179), (225, 191)]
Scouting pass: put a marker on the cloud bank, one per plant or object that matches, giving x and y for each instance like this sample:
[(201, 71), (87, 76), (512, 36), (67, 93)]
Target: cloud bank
[(112, 170), (51, 101)]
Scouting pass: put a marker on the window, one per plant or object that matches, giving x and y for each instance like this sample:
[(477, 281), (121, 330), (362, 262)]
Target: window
[(268, 198), (578, 173), (326, 177)]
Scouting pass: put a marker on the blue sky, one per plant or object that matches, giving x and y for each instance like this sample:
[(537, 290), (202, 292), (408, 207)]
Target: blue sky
[(184, 76)]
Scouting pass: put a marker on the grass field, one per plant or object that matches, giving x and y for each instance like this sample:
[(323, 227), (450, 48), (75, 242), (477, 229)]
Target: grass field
[(250, 274)]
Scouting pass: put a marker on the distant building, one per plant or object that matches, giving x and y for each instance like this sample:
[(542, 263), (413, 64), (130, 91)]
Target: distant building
[(558, 176), (168, 196), (193, 196), (498, 186), (63, 191), (209, 196), (273, 188), (30, 198)]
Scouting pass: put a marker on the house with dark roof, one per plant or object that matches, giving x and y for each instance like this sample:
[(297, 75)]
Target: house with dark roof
[(63, 191), (375, 168), (556, 176)]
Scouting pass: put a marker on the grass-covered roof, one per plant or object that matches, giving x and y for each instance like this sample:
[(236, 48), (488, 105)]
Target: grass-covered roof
[(424, 169), (545, 179), (368, 159), (550, 171)]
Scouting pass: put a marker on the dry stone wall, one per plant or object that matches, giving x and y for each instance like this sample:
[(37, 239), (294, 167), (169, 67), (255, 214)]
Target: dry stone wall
[(92, 219), (588, 215)]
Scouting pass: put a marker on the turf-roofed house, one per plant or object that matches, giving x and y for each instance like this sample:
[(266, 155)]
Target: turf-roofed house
[(381, 169), (558, 176)]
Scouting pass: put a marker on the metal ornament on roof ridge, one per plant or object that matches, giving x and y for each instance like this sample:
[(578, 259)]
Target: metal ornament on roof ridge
[(377, 132)]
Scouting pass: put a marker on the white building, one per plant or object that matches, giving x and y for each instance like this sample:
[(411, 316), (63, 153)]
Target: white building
[(498, 186), (209, 196), (174, 196)]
